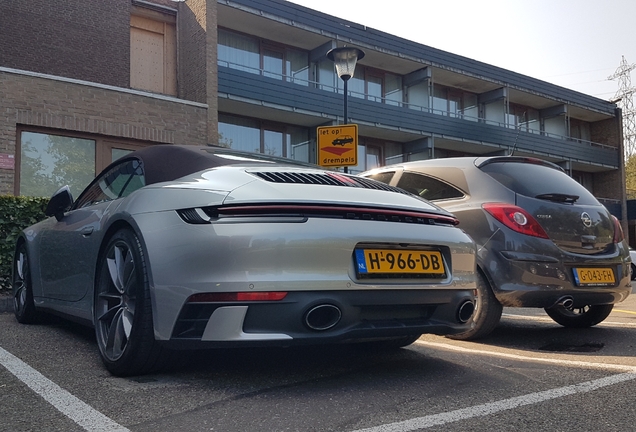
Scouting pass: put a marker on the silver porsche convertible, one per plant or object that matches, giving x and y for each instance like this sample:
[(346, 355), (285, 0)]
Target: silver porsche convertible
[(179, 247)]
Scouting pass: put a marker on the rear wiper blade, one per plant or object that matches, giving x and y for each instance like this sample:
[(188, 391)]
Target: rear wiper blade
[(558, 197)]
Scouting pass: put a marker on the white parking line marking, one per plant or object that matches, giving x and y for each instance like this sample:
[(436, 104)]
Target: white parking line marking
[(502, 405), (69, 405), (574, 363), (515, 402)]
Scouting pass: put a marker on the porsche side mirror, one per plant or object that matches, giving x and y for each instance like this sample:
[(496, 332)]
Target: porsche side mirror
[(59, 203)]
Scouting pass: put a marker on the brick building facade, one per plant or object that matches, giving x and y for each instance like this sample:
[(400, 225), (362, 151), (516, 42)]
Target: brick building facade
[(65, 70), (110, 76)]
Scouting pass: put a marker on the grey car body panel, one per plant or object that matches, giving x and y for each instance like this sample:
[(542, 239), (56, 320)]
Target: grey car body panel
[(240, 186), (507, 257), (299, 255), (312, 255)]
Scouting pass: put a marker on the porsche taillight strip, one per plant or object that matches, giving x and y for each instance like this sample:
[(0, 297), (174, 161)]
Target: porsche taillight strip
[(210, 214)]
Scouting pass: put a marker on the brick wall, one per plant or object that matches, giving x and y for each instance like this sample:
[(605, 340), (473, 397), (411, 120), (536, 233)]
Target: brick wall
[(608, 184), (606, 132), (82, 39), (212, 76), (192, 68), (37, 101)]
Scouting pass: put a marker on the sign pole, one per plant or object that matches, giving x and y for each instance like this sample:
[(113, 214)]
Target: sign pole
[(346, 120)]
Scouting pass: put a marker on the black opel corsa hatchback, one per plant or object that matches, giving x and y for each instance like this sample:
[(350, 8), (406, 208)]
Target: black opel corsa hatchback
[(543, 240)]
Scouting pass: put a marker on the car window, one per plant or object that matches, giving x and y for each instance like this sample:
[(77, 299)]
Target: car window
[(534, 180), (427, 187), (384, 177), (119, 181)]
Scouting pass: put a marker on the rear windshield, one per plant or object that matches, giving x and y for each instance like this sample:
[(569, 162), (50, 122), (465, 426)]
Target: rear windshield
[(539, 181)]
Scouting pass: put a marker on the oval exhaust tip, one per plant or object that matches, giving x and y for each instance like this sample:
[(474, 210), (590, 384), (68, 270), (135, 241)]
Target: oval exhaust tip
[(323, 317), (465, 311)]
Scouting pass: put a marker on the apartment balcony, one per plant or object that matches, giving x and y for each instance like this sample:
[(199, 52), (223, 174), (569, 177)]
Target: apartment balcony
[(262, 95)]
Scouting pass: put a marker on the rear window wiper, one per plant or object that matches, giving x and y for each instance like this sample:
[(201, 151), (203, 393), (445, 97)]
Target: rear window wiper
[(558, 197)]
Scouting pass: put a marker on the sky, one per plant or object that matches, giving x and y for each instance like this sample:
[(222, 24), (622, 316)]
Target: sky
[(576, 44)]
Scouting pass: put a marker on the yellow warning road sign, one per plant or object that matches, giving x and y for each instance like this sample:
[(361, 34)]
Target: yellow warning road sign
[(337, 145)]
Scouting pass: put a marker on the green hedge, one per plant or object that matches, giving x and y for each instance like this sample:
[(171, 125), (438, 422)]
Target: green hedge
[(16, 213)]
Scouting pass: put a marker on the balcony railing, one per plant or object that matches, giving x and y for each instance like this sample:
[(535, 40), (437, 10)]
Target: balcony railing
[(392, 102)]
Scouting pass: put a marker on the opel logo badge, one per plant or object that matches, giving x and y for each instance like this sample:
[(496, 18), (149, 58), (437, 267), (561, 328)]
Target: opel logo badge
[(586, 219)]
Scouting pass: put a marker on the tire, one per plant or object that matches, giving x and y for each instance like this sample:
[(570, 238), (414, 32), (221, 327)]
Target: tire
[(23, 305), (123, 310), (579, 317), (633, 271), (487, 312)]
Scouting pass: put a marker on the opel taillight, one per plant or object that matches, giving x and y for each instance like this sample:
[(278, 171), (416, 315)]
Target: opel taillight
[(515, 218), (618, 231)]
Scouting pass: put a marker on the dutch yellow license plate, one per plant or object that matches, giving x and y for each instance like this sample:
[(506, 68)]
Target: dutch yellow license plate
[(589, 276), (389, 262)]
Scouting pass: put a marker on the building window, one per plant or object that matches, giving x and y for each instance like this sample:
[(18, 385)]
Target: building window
[(153, 52), (239, 52), (523, 118), (455, 103), (255, 136), (49, 160), (249, 54), (555, 126), (366, 83), (580, 130)]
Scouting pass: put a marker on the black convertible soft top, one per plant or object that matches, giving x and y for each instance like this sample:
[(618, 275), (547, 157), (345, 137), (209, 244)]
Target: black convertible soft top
[(165, 162)]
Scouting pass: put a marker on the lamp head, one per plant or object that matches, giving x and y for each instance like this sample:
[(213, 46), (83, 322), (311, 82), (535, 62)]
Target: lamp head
[(345, 59)]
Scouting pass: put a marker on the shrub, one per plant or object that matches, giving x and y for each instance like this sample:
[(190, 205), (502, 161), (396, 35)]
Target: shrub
[(16, 213)]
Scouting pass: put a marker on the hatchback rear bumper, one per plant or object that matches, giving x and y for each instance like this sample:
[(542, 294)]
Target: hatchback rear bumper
[(545, 282)]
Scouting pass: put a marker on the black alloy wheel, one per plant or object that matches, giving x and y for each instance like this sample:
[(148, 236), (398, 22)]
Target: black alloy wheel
[(23, 305), (123, 311)]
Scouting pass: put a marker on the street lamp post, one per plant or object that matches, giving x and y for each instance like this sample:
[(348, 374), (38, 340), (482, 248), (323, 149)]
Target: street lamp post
[(345, 59)]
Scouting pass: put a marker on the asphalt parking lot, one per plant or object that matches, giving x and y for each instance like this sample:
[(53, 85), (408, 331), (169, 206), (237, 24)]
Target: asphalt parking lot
[(530, 374)]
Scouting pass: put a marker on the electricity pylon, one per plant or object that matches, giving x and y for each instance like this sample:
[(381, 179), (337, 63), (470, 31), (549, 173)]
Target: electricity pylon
[(625, 100)]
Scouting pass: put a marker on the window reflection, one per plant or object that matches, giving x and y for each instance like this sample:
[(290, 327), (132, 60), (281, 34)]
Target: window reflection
[(250, 55), (48, 162), (252, 135)]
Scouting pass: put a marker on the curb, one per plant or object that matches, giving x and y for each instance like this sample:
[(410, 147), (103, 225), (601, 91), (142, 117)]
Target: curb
[(6, 304)]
